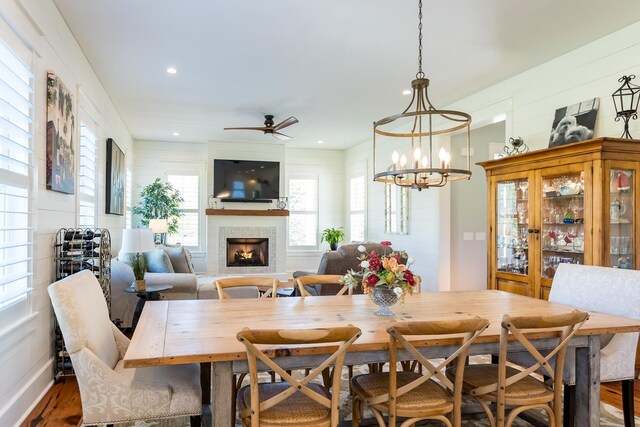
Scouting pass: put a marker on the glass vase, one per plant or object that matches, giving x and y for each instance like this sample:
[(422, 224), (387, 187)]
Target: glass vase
[(384, 298)]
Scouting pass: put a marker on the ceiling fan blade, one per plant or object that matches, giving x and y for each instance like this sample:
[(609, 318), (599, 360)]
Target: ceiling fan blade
[(287, 122), (262, 129), (281, 136)]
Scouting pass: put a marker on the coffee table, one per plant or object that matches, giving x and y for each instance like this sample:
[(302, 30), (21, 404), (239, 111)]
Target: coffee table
[(151, 293)]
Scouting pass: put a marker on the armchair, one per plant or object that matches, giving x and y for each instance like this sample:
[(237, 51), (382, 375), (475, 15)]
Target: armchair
[(110, 393)]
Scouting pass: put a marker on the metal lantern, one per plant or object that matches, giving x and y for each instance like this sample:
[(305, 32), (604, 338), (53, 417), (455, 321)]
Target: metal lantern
[(626, 100)]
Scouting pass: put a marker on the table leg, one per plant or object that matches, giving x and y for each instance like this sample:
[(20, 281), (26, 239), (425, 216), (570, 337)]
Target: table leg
[(222, 377), (588, 383)]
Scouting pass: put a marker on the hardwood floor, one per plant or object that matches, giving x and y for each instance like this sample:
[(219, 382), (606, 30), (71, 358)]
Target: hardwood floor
[(61, 407)]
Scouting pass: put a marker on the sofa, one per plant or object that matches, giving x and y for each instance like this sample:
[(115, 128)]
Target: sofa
[(339, 262), (175, 269)]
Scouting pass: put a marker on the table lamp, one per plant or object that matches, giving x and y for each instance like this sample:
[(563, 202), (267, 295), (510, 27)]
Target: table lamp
[(159, 226), (136, 241)]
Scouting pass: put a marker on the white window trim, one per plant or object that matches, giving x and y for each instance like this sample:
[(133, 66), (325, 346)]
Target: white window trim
[(305, 248), (357, 174)]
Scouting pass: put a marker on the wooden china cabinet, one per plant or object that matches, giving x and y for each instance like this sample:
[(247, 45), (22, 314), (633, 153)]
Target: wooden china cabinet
[(576, 203)]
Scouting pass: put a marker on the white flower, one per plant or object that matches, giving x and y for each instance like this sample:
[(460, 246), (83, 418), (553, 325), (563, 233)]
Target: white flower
[(398, 291), (364, 264), (410, 261), (361, 248)]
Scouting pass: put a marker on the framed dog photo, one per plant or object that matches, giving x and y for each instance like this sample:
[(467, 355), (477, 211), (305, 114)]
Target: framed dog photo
[(574, 123), (115, 179)]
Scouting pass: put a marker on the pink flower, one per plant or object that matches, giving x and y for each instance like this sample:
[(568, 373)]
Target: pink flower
[(385, 243), (374, 263)]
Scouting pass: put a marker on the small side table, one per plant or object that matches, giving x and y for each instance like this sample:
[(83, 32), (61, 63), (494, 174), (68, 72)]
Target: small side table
[(151, 293)]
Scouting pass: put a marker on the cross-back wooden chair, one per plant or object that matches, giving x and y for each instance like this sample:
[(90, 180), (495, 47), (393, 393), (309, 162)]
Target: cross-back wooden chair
[(412, 395), (322, 279), (509, 386), (292, 401), (268, 284)]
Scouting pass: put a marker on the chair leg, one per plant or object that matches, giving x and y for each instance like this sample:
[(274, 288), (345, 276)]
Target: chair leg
[(195, 420), (569, 409), (627, 403)]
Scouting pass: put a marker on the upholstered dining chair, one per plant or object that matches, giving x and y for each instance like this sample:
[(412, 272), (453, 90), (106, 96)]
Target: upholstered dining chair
[(322, 279), (411, 395), (607, 290), (109, 393), (267, 284), (508, 386), (292, 402)]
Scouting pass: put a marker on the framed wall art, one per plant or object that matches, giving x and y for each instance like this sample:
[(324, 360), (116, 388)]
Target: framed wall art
[(115, 179), (574, 123), (60, 168)]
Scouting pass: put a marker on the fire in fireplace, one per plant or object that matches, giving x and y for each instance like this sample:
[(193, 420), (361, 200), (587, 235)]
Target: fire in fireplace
[(247, 252)]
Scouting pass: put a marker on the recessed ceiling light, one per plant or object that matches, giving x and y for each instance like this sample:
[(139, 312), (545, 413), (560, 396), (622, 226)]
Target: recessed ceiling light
[(176, 134), (320, 142), (171, 70), (406, 92)]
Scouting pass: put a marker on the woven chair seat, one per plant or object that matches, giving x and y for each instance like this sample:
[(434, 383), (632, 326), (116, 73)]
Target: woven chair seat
[(480, 375), (427, 396), (297, 410)]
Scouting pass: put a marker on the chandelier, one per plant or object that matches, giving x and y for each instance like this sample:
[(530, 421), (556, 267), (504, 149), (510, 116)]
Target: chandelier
[(407, 139)]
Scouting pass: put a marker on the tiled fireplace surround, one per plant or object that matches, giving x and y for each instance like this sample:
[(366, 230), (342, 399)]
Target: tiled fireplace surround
[(219, 228)]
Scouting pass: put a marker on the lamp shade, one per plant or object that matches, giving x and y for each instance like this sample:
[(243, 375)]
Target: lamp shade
[(135, 240), (159, 225)]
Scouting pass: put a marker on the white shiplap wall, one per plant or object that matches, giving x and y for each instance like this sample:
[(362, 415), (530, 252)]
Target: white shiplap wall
[(26, 354)]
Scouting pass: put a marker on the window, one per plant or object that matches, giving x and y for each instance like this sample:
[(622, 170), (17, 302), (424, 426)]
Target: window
[(16, 172), (128, 204), (188, 225), (303, 211), (87, 175), (357, 190)]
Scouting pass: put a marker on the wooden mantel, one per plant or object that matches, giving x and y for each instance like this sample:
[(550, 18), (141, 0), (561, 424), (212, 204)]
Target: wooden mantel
[(248, 212)]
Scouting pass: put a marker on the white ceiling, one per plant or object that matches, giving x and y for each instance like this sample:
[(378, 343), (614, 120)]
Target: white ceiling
[(336, 65)]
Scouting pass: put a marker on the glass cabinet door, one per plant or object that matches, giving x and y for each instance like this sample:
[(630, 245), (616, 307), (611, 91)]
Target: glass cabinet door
[(512, 224), (621, 218), (562, 214)]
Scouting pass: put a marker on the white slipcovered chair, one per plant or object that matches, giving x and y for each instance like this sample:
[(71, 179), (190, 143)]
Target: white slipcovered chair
[(606, 290), (110, 393)]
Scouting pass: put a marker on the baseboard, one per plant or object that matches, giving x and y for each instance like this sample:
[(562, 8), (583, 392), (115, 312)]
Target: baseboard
[(22, 404)]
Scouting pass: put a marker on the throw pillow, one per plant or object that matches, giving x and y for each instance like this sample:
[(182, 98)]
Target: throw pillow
[(158, 262), (126, 257), (180, 258)]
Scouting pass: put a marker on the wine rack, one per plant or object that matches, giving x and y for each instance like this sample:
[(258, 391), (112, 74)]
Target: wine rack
[(78, 249)]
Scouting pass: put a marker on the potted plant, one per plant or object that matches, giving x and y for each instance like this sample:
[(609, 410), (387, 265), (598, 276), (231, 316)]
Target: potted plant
[(159, 200), (333, 236), (139, 266)]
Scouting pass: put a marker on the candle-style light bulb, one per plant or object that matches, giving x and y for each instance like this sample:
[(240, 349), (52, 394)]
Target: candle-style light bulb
[(445, 158), (424, 162), (394, 159), (403, 161), (417, 153)]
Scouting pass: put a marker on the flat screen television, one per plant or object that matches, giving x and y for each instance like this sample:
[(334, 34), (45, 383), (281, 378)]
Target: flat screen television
[(246, 180)]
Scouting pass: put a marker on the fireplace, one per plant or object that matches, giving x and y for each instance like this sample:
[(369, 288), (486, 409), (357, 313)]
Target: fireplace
[(247, 252)]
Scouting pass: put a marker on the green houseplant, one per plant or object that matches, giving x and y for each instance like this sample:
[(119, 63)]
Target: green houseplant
[(333, 236), (159, 200)]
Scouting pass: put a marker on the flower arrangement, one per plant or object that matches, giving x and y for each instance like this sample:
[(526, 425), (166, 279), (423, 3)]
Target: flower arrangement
[(383, 271)]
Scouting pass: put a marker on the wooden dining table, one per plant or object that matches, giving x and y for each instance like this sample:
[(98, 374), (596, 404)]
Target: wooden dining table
[(204, 331)]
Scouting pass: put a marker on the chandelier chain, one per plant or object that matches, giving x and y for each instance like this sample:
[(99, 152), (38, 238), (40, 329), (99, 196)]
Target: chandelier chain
[(420, 74)]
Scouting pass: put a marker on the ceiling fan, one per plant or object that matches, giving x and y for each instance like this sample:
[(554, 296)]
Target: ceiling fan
[(269, 127)]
